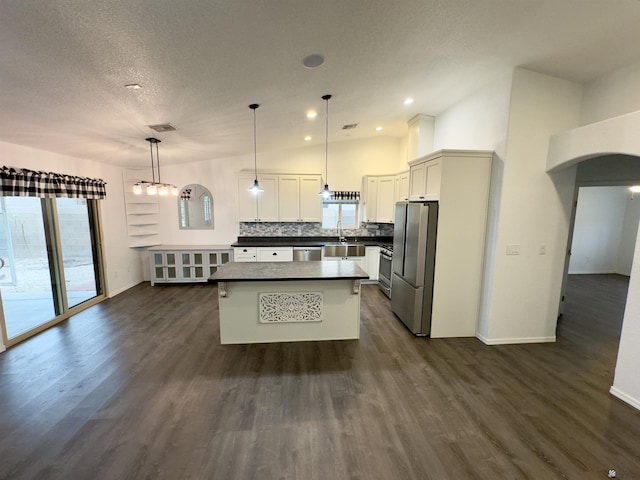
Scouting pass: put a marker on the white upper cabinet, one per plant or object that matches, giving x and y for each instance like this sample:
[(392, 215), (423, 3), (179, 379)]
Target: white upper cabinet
[(401, 191), (424, 180), (310, 201), (286, 198), (386, 200), (262, 207), (298, 198), (370, 198), (289, 198), (378, 198)]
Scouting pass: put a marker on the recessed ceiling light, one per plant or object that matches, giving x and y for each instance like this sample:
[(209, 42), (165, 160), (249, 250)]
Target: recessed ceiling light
[(133, 86), (307, 138), (312, 114), (378, 129), (313, 61), (408, 101)]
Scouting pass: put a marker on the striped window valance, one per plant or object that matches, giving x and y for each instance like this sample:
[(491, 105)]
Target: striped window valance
[(21, 182)]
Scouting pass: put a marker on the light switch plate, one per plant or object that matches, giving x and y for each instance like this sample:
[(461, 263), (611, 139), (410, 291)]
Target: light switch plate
[(513, 249)]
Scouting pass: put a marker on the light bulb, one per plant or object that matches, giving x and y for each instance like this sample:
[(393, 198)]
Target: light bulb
[(325, 192), (152, 189), (163, 190), (256, 188), (137, 189), (174, 191)]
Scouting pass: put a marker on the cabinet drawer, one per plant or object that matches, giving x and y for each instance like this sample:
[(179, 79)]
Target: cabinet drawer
[(277, 254), (244, 254)]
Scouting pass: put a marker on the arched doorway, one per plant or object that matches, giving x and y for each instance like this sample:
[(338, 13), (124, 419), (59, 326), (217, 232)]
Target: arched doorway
[(608, 153)]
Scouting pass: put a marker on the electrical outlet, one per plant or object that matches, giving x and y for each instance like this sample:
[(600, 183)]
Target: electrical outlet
[(513, 249)]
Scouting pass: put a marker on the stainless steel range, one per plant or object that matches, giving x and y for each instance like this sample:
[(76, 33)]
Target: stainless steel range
[(384, 273)]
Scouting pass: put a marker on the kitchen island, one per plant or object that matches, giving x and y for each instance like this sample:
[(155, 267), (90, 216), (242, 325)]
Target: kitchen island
[(288, 301)]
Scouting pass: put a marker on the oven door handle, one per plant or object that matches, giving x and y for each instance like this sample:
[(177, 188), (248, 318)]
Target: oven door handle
[(385, 256)]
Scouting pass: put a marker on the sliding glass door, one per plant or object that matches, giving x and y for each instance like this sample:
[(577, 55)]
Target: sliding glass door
[(77, 241), (50, 261)]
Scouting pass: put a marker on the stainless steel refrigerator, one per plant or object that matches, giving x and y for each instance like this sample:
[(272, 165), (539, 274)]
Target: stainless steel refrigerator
[(414, 256)]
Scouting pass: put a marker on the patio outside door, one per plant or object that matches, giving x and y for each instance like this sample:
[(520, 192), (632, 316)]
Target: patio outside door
[(50, 262)]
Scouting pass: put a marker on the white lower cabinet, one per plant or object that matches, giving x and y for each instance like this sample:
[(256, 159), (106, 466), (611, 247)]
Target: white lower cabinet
[(277, 254), (372, 261), (186, 264), (244, 254), (263, 254)]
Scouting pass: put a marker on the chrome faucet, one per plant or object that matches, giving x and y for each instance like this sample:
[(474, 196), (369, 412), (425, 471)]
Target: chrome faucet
[(341, 237)]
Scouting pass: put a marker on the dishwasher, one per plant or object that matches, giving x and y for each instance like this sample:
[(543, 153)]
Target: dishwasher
[(307, 254)]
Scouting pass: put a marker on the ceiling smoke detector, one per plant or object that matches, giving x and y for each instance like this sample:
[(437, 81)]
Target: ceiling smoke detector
[(162, 127), (351, 126)]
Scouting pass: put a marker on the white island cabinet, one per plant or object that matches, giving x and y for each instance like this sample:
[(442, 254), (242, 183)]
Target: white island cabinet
[(288, 301), (186, 263)]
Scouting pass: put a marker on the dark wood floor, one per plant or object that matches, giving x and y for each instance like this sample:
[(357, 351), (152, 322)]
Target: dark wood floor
[(138, 387)]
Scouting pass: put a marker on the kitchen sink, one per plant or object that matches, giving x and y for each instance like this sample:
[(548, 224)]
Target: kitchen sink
[(344, 250)]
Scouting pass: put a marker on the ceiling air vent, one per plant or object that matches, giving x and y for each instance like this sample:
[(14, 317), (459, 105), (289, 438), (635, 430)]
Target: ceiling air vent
[(163, 127), (351, 126)]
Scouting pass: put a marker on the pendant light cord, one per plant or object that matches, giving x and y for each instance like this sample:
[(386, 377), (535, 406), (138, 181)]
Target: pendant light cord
[(255, 146), (158, 161), (253, 107), (326, 141), (153, 170)]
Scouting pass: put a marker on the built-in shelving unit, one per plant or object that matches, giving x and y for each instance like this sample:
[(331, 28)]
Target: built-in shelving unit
[(142, 211)]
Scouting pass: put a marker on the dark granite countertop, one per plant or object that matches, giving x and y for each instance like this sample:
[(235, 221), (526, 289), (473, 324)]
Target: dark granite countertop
[(279, 271), (305, 241)]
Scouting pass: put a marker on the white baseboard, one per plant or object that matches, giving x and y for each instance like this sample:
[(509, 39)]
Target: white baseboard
[(122, 289), (634, 402), (592, 272), (512, 341), (2, 348)]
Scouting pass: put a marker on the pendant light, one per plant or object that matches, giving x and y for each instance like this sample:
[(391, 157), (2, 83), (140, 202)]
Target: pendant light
[(255, 188), (325, 192), (153, 187)]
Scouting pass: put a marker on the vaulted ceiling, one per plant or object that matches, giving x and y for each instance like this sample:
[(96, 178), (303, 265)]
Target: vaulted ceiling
[(200, 63)]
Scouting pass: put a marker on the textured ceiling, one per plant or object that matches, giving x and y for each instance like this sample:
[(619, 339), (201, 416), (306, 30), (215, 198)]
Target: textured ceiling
[(64, 64)]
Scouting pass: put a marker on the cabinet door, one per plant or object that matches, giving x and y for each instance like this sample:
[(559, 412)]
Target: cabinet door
[(278, 254), (289, 198), (402, 187), (434, 175), (247, 201), (386, 203), (268, 200), (371, 199), (164, 267), (310, 201), (417, 181), (244, 254), (373, 263), (192, 267)]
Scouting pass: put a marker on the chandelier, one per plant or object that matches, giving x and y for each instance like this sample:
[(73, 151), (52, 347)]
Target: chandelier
[(153, 187)]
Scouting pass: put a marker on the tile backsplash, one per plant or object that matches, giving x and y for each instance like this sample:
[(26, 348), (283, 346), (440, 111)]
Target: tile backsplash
[(296, 229)]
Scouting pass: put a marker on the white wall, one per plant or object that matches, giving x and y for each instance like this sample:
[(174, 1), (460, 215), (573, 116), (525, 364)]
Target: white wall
[(612, 95), (608, 96), (478, 122), (123, 267), (626, 382), (348, 161), (597, 236), (521, 293), (629, 234)]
